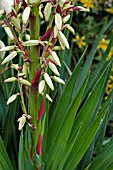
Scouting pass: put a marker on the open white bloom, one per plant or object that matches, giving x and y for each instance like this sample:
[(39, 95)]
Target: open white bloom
[(6, 5), (21, 121)]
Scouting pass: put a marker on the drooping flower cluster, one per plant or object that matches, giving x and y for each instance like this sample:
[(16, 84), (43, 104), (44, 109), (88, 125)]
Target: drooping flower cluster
[(16, 24)]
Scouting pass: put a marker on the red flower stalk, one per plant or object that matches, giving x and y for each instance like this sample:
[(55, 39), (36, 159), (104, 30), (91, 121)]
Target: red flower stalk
[(59, 10), (34, 83), (20, 68), (71, 8), (39, 145), (16, 2), (52, 62), (41, 111), (47, 33)]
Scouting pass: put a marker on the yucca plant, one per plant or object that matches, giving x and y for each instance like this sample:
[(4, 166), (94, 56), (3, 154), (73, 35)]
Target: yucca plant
[(63, 131)]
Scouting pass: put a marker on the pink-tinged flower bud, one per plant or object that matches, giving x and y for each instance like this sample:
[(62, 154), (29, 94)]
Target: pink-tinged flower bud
[(48, 81), (41, 111), (47, 33), (35, 81), (39, 145)]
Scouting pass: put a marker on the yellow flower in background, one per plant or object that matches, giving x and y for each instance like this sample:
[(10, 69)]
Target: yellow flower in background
[(79, 41), (103, 44), (109, 10), (109, 86), (110, 55), (87, 3)]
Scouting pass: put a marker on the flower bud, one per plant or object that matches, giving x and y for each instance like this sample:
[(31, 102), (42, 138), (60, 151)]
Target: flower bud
[(15, 66), (61, 2), (57, 48), (55, 31), (9, 57), (31, 43), (6, 5), (2, 45), (49, 98), (27, 36), (55, 58), (25, 15), (23, 81), (62, 45), (8, 48), (11, 99), (58, 79), (66, 18), (9, 33), (63, 39), (70, 28), (21, 74), (32, 1), (54, 68), (83, 9), (58, 21), (21, 121), (1, 12), (48, 81), (16, 22), (67, 5), (11, 79), (47, 11), (41, 86)]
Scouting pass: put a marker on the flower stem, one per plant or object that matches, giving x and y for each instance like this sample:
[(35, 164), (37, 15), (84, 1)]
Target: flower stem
[(33, 93)]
